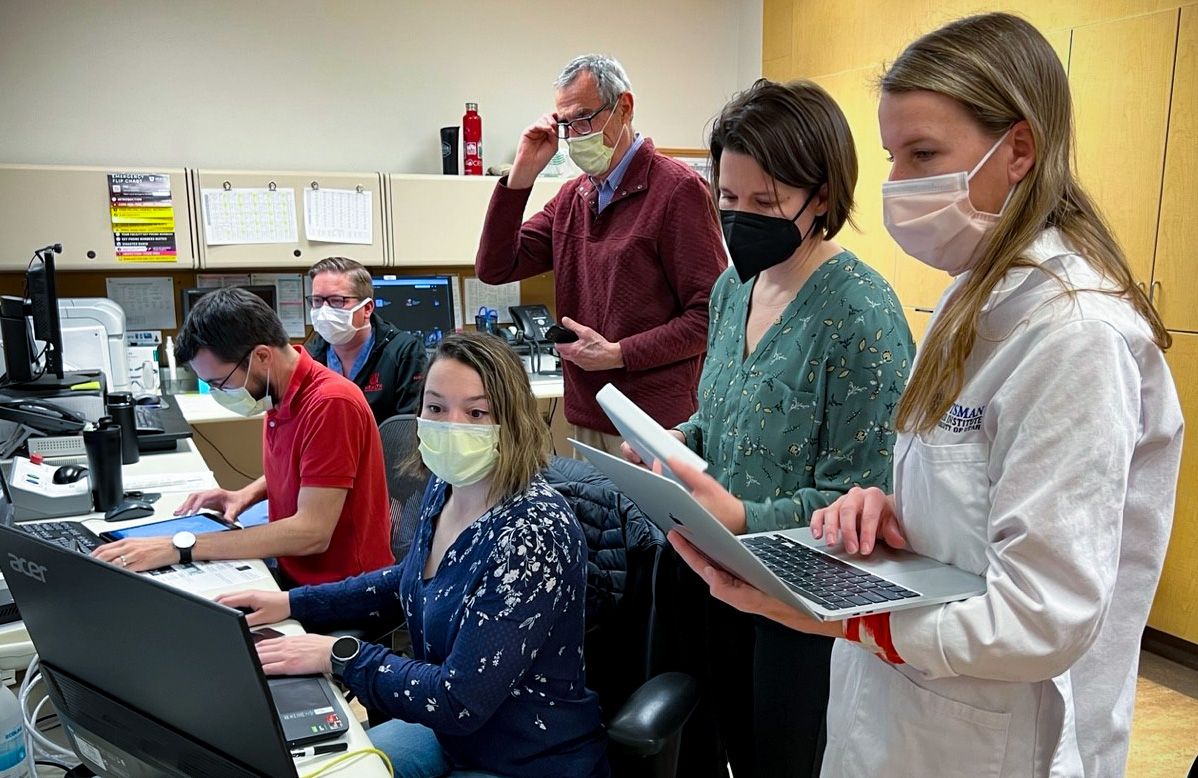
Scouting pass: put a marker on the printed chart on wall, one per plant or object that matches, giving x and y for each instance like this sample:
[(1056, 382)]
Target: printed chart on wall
[(339, 215), (242, 216), (143, 217)]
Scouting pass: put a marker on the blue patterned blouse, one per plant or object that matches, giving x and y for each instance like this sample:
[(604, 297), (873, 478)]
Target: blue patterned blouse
[(497, 633)]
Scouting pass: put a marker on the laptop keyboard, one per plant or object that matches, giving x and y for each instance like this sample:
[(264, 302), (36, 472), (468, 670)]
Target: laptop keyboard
[(69, 534), (148, 420), (823, 579)]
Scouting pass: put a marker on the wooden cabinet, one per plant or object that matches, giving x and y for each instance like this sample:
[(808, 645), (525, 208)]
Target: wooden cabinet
[(1122, 113), (1175, 609), (1176, 282)]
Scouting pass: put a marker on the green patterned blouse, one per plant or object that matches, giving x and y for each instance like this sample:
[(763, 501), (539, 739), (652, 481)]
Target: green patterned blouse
[(808, 414)]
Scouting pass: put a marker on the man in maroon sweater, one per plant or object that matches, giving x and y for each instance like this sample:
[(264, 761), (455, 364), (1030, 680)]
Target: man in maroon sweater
[(634, 245)]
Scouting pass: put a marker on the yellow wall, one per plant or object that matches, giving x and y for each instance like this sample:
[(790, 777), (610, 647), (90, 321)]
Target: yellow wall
[(1133, 69)]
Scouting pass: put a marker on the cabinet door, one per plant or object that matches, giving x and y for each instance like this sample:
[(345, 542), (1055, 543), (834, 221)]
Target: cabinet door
[(1175, 609), (1121, 74), (855, 94), (1178, 233)]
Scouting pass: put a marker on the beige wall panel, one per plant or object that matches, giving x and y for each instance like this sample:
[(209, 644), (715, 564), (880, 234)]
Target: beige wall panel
[(777, 69), (1060, 41), (775, 29), (916, 283), (1175, 609), (854, 92), (1077, 13), (1120, 74), (1178, 233)]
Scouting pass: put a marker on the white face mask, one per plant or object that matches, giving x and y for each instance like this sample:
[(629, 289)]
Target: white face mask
[(590, 153), (337, 325), (458, 454), (933, 220), (240, 400)]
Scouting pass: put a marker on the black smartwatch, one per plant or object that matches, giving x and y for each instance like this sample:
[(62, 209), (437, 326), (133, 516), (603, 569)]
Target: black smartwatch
[(184, 542), (343, 651)]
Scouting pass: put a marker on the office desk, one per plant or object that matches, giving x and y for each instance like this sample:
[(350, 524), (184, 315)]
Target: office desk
[(16, 649)]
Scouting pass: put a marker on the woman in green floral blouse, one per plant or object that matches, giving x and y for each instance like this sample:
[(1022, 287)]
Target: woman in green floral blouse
[(808, 352)]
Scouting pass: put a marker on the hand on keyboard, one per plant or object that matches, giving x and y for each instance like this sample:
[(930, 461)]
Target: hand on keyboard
[(856, 520)]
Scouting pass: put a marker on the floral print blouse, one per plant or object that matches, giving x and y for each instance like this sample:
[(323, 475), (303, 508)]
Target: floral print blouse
[(497, 634), (807, 415)]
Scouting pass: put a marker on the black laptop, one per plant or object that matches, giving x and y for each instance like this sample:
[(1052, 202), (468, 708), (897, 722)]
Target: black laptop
[(111, 640)]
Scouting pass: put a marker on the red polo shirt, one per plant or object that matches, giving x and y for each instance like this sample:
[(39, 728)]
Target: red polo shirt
[(322, 433)]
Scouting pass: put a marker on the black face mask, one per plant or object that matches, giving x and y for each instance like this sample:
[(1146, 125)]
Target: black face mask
[(758, 242)]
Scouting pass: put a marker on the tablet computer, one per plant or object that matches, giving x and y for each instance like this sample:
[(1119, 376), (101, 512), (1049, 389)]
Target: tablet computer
[(198, 523)]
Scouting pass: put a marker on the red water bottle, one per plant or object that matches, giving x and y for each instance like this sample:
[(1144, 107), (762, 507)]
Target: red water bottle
[(472, 140)]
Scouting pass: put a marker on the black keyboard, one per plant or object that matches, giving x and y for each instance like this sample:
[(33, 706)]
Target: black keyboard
[(69, 534), (823, 579), (148, 420)]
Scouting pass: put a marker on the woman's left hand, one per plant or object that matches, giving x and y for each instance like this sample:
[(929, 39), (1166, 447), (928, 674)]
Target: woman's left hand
[(749, 599), (297, 655)]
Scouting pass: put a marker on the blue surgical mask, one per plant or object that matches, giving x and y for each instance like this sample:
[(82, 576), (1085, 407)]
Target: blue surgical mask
[(240, 401)]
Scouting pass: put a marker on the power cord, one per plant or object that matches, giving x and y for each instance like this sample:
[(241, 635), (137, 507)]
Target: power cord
[(221, 454), (40, 747), (353, 755)]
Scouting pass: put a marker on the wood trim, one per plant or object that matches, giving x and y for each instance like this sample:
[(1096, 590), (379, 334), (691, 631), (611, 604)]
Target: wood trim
[(1173, 648), (679, 152)]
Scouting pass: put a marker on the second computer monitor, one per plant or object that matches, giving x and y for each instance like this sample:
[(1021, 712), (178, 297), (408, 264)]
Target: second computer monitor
[(189, 297), (419, 305)]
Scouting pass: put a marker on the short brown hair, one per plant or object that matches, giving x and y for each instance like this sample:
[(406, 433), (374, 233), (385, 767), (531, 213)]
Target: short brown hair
[(229, 322), (799, 136), (359, 276), (524, 439)]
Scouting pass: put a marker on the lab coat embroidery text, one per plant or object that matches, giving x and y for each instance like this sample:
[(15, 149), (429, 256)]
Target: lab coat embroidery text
[(962, 419)]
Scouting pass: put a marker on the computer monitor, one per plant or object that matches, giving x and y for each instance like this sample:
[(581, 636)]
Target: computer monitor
[(189, 297), (418, 305), (40, 307), (149, 679)]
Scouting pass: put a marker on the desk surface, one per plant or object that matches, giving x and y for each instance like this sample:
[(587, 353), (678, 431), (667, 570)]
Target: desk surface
[(15, 644)]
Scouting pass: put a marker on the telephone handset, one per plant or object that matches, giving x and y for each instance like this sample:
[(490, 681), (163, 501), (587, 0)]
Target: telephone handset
[(534, 320), (42, 416)]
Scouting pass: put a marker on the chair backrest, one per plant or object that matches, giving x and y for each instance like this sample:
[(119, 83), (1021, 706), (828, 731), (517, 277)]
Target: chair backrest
[(623, 552), (404, 489)]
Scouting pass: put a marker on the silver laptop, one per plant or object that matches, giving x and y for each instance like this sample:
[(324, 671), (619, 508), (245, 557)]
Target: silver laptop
[(790, 564)]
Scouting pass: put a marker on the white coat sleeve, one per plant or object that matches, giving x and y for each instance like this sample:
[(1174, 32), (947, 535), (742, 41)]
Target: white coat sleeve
[(1068, 418)]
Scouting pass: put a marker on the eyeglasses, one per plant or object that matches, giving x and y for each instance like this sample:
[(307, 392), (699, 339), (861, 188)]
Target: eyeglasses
[(225, 380), (579, 126), (333, 301)]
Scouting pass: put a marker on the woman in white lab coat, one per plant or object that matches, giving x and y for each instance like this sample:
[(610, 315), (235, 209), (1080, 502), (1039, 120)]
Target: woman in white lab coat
[(1039, 442)]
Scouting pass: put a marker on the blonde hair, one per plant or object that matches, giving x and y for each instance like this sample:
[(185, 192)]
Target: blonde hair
[(1002, 70), (524, 439)]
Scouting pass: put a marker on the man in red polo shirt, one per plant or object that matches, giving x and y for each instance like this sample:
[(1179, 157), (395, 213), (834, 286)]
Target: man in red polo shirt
[(322, 456)]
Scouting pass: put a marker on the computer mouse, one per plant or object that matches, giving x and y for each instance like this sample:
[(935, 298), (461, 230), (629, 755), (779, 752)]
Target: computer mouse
[(69, 474), (129, 509), (152, 400)]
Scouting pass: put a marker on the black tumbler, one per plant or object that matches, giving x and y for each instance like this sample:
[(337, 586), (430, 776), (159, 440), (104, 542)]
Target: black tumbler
[(449, 151), (120, 408), (103, 446)]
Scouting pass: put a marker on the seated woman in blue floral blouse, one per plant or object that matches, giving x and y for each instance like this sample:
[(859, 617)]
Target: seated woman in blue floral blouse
[(493, 591)]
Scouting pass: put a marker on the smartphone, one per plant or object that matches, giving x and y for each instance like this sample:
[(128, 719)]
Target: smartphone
[(264, 633), (559, 334)]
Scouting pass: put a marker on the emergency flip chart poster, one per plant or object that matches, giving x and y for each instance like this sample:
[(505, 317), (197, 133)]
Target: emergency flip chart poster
[(246, 216), (143, 217), (339, 215)]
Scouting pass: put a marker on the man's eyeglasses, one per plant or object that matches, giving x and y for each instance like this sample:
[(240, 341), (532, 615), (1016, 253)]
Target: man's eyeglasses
[(220, 386), (581, 126), (333, 301)]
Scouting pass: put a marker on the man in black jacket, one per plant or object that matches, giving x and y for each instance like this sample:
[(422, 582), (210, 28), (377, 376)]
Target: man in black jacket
[(352, 340)]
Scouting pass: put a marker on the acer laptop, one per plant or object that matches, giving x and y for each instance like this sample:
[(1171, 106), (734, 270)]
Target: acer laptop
[(791, 565)]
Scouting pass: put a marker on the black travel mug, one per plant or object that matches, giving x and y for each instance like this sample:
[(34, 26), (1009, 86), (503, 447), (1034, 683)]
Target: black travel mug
[(120, 408), (449, 151), (103, 446)]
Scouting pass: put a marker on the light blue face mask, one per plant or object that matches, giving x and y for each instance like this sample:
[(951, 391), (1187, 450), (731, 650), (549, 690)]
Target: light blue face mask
[(240, 401)]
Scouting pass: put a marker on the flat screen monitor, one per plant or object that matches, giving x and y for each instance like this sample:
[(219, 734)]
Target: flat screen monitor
[(149, 679), (418, 305), (22, 359), (43, 300), (189, 297)]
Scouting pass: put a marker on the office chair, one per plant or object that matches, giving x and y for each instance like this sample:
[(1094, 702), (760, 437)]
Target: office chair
[(405, 490), (644, 708)]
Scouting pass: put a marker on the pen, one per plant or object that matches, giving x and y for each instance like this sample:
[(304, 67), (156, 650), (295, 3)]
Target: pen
[(331, 748)]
